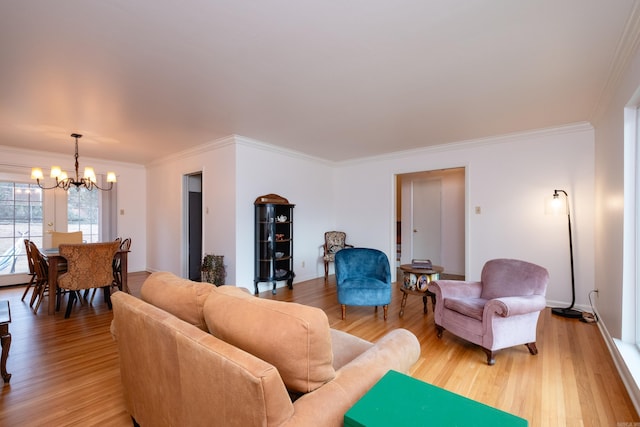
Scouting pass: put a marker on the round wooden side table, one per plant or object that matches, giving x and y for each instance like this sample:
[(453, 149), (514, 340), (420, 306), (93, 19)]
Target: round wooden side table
[(416, 282)]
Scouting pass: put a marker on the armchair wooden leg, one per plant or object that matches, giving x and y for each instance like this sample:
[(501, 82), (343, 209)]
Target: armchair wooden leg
[(532, 348), (386, 310), (344, 311), (491, 358), (439, 330), (326, 272)]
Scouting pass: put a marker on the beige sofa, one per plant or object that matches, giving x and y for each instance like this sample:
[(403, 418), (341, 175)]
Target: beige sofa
[(192, 354)]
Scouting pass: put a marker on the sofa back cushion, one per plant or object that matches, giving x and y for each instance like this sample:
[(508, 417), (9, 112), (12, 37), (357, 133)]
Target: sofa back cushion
[(180, 297), (294, 338)]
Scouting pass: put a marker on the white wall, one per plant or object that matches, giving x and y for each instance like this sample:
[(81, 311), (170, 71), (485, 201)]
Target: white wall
[(509, 177), (304, 181), (130, 197), (236, 171), (166, 201), (617, 309)]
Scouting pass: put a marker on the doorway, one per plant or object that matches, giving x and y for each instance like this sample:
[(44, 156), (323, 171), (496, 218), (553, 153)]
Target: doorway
[(430, 209), (193, 215)]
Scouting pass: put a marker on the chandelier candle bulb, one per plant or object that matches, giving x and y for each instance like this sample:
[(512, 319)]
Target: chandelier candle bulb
[(89, 174), (36, 173)]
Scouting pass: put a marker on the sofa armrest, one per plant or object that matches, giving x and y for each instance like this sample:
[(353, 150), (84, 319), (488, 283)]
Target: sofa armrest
[(326, 406), (455, 289), (513, 306)]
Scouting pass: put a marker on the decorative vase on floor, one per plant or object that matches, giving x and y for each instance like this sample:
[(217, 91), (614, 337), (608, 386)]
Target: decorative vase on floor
[(213, 270)]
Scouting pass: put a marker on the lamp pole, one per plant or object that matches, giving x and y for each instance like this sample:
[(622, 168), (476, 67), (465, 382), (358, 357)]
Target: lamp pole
[(568, 311)]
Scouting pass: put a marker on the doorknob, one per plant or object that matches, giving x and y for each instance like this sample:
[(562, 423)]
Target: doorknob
[(415, 230)]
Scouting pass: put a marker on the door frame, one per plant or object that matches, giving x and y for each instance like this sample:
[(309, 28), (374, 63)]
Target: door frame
[(398, 214), (188, 182)]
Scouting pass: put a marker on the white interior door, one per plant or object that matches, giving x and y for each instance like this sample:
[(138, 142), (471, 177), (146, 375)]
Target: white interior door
[(426, 220)]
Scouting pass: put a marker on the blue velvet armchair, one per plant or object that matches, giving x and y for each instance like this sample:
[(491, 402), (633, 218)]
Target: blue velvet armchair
[(363, 278)]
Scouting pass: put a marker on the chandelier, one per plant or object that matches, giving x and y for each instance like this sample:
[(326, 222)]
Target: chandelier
[(65, 182)]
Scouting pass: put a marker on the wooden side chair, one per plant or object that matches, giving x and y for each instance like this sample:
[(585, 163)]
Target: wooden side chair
[(334, 241)]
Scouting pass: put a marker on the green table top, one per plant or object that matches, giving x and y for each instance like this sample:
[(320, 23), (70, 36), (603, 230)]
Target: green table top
[(399, 400)]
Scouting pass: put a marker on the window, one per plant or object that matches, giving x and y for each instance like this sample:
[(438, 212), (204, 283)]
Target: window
[(83, 213), (20, 218)]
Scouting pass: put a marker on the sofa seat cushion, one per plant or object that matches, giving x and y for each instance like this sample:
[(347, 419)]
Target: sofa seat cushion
[(470, 307), (294, 338), (180, 297)]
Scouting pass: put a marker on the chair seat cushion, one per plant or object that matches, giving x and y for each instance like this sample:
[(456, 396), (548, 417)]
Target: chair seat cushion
[(364, 292), (294, 338), (364, 283), (470, 307)]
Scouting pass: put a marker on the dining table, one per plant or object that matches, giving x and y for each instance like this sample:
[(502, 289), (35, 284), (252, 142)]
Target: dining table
[(56, 261)]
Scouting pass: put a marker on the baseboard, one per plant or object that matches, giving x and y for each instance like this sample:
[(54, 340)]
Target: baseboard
[(630, 382)]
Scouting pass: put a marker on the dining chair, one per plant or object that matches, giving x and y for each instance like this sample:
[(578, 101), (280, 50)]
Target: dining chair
[(41, 271), (89, 265), (59, 237), (125, 245), (32, 271)]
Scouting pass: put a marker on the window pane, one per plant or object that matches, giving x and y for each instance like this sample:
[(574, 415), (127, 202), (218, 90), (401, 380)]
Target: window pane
[(82, 213), (20, 218)]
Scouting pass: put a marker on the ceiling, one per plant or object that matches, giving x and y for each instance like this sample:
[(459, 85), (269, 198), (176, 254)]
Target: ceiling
[(334, 79)]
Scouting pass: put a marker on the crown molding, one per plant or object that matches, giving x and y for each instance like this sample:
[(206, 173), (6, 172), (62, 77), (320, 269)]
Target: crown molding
[(474, 143), (65, 158), (237, 140), (256, 144), (625, 51)]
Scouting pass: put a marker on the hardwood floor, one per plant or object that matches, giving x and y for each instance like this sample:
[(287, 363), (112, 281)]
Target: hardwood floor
[(65, 371)]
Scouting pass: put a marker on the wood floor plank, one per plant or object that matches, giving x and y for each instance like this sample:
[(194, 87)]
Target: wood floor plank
[(65, 371)]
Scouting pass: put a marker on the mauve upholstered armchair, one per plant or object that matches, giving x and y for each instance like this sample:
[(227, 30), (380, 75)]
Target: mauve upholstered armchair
[(499, 311), (363, 277)]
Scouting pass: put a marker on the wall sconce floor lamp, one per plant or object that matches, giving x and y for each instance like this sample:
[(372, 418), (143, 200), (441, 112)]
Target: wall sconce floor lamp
[(568, 311)]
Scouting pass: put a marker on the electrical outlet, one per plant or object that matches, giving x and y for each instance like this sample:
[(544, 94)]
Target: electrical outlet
[(302, 264)]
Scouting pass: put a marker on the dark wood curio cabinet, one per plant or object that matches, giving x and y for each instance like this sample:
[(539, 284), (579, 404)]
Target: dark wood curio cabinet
[(273, 241)]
